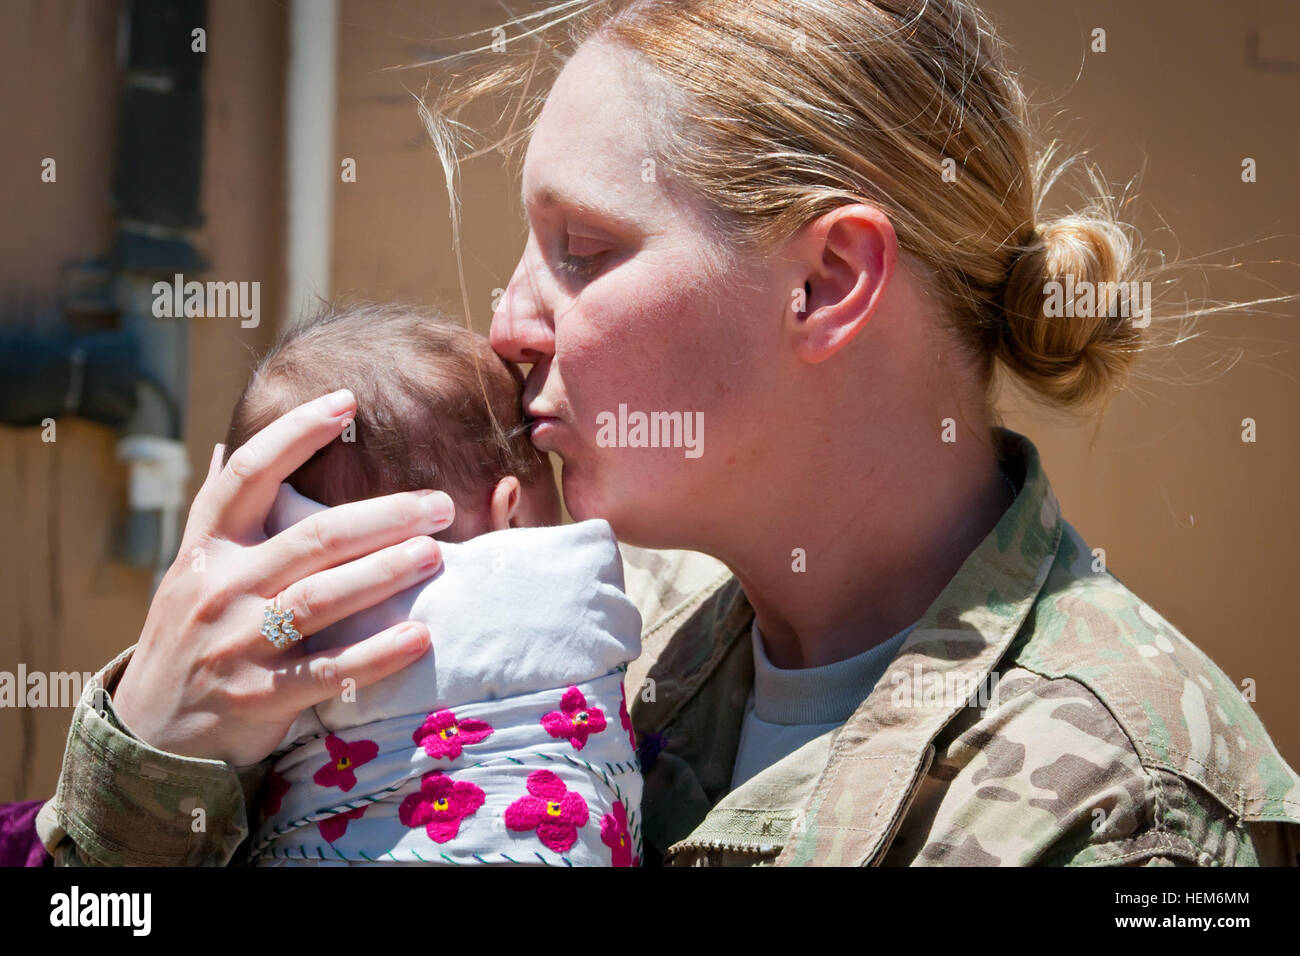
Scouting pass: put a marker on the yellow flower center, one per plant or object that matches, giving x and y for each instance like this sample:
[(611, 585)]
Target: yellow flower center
[(343, 764), (451, 731), (552, 808), (440, 803), (580, 717)]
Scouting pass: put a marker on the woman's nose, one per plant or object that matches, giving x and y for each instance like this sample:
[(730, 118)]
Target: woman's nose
[(521, 328)]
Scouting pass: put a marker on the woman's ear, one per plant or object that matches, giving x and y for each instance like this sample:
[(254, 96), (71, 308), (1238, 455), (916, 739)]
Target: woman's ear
[(504, 504), (850, 254)]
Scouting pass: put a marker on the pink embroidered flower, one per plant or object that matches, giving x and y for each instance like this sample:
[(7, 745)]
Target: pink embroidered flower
[(552, 810), (625, 718), (442, 735), (344, 758), (337, 825), (613, 833), (276, 787), (440, 805), (574, 719)]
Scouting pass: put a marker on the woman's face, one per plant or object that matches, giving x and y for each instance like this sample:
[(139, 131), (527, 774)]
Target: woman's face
[(615, 304)]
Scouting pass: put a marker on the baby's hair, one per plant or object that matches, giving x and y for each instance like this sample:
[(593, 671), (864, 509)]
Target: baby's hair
[(436, 407)]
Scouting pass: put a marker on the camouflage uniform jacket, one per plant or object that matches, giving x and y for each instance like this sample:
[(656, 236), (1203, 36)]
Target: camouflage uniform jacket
[(1039, 714)]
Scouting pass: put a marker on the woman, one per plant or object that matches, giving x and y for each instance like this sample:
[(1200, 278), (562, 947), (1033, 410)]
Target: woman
[(812, 227)]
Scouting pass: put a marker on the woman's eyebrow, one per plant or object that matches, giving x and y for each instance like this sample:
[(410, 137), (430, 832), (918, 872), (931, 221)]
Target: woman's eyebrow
[(549, 196)]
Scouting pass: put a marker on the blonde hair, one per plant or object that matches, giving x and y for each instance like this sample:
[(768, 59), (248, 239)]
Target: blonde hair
[(776, 111)]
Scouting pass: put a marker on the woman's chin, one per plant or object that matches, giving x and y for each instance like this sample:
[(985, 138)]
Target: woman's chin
[(581, 500), (585, 500), (637, 512), (629, 524)]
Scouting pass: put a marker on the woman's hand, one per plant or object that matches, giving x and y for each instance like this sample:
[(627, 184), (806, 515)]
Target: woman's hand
[(204, 681)]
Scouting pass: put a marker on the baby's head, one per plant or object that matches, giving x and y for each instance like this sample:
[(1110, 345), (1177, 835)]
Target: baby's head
[(436, 408)]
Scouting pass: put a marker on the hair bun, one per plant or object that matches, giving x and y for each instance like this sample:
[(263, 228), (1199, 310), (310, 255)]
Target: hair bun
[(1070, 357)]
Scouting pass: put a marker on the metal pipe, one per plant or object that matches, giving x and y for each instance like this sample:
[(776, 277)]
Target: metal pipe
[(310, 103)]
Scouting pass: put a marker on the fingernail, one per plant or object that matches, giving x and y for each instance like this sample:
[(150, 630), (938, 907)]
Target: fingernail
[(439, 506), (411, 638), (424, 553), (337, 403)]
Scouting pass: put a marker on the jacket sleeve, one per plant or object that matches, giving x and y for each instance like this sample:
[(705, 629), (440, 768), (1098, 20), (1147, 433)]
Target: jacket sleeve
[(1047, 776), (121, 802), (1221, 840)]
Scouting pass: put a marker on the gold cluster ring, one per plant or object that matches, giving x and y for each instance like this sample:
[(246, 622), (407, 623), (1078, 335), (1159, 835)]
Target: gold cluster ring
[(277, 625)]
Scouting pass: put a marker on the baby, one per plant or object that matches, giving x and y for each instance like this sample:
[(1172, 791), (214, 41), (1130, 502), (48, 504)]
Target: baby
[(509, 741)]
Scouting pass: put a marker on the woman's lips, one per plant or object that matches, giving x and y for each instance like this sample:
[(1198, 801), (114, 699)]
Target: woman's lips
[(539, 415), (541, 424)]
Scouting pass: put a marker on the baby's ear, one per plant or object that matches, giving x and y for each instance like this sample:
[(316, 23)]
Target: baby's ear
[(289, 508), (505, 503)]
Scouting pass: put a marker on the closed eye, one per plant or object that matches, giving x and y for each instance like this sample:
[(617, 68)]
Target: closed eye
[(583, 256), (581, 267)]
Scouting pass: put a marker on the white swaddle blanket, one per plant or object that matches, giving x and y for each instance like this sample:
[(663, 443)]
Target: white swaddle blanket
[(508, 742)]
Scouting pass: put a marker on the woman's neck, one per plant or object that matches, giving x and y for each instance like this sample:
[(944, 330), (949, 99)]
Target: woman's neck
[(849, 554)]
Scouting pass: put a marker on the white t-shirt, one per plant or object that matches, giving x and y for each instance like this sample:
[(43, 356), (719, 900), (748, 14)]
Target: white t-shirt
[(789, 707)]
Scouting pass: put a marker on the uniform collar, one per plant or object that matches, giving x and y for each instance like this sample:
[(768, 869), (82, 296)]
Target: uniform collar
[(884, 749), (702, 669)]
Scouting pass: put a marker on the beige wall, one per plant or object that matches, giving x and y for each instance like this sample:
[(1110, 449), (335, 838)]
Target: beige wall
[(1197, 522), (64, 604), (1190, 518), (392, 236)]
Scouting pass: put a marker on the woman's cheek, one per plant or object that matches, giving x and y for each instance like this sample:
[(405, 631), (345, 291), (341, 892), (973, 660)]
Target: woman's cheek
[(652, 346), (600, 369)]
